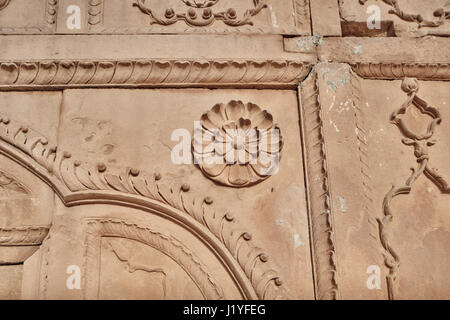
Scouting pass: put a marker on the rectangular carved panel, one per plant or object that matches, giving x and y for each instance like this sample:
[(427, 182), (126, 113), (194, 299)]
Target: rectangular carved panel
[(386, 145)]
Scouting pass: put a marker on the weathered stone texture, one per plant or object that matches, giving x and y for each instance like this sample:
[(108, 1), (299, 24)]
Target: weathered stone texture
[(333, 137)]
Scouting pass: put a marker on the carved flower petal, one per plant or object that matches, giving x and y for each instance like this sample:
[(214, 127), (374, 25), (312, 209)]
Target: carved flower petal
[(214, 169), (231, 156), (252, 147), (230, 129), (266, 165), (204, 142), (202, 158), (244, 124), (215, 118), (222, 148), (239, 174), (221, 136), (207, 123), (219, 110), (235, 110), (262, 120), (252, 110), (271, 141), (242, 156)]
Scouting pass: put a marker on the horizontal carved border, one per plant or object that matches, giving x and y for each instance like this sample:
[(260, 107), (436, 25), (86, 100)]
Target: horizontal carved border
[(23, 236), (398, 70), (319, 203), (48, 74)]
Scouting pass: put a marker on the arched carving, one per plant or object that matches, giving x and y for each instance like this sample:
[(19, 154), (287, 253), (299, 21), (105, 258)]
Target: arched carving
[(78, 184), (97, 228)]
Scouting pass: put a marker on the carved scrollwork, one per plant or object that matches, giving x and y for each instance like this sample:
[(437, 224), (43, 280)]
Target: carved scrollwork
[(442, 14), (200, 14), (237, 144), (421, 141)]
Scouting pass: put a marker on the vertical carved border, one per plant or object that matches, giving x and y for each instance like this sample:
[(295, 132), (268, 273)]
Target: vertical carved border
[(319, 199), (364, 159), (95, 14), (51, 11), (302, 13)]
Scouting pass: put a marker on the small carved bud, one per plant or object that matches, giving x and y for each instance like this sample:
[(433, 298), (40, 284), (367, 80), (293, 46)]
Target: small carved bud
[(185, 187), (5, 120), (44, 141), (24, 129), (170, 13), (67, 155), (231, 14), (101, 167), (247, 236), (439, 12), (157, 176), (229, 217), (208, 200), (410, 85), (264, 258), (77, 163), (192, 14), (207, 13), (134, 172), (278, 282)]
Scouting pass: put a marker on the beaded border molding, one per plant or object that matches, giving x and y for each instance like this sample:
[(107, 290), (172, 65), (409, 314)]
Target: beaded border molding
[(153, 73)]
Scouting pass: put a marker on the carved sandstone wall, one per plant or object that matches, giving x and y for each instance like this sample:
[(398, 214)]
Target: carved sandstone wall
[(331, 117)]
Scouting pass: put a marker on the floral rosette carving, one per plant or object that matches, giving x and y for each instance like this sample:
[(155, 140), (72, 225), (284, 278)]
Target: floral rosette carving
[(237, 144), (201, 14)]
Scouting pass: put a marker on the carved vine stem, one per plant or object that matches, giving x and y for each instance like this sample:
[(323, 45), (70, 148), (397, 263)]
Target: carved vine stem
[(229, 17), (421, 143), (442, 14)]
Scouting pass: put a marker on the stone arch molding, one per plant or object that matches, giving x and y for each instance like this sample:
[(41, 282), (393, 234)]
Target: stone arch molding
[(82, 184)]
